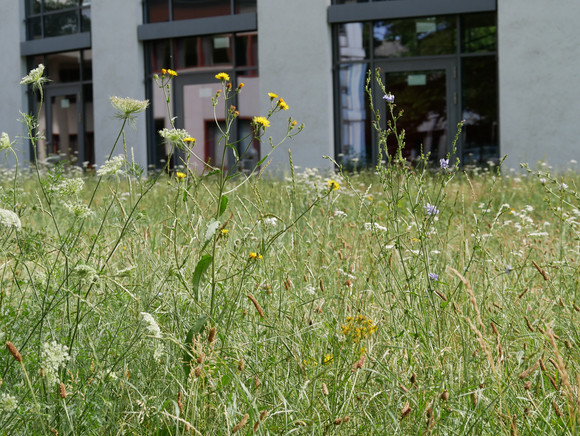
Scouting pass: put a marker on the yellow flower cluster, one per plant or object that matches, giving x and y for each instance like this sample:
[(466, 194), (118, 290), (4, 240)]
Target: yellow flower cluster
[(283, 105), (222, 76), (165, 71), (358, 328), (261, 121), (255, 256), (333, 185), (180, 175)]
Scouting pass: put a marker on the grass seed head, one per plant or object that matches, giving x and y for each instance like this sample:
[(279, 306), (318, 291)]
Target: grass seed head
[(241, 424), (62, 390), (212, 335), (14, 351)]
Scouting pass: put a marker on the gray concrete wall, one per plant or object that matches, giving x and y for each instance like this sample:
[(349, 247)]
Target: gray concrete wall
[(295, 55), (118, 69), (12, 69), (539, 81)]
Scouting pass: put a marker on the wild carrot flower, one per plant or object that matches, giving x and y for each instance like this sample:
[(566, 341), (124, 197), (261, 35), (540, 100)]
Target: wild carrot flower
[(5, 143), (174, 137), (8, 403), (212, 227), (127, 107), (112, 166), (9, 219), (53, 356), (334, 186), (222, 76), (431, 209), (151, 326), (261, 122), (389, 98), (35, 77)]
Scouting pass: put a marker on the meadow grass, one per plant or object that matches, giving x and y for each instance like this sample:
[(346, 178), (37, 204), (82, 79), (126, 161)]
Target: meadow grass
[(410, 300)]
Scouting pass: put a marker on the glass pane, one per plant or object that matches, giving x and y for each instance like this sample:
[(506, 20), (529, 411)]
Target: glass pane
[(245, 6), (415, 37), (478, 33), (160, 55), (53, 5), (186, 52), (89, 154), (62, 133), (247, 50), (354, 41), (158, 10), (33, 7), (86, 20), (216, 50), (187, 9), (63, 67), (354, 118), (34, 28), (423, 97), (64, 23), (480, 109), (87, 65), (345, 2)]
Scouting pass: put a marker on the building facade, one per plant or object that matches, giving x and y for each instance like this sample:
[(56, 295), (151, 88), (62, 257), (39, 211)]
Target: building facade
[(505, 67)]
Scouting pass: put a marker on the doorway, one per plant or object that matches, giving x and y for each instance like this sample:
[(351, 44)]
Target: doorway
[(426, 92)]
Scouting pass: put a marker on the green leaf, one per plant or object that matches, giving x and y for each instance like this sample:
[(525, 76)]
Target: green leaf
[(197, 328), (223, 204), (200, 269)]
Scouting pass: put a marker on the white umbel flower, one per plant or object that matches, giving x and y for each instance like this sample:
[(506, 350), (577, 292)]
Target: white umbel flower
[(35, 77), (5, 143), (9, 219), (54, 356), (112, 166), (8, 403)]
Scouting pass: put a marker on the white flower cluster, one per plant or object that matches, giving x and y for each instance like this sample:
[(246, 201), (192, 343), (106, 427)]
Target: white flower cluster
[(375, 226), (54, 356), (8, 403), (69, 187), (86, 273), (5, 143), (34, 76), (174, 136), (270, 221), (127, 107), (112, 166), (212, 227), (151, 325), (152, 328), (9, 219), (78, 209)]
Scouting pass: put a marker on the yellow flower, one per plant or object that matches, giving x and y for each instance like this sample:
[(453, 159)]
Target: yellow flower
[(255, 256), (189, 139), (224, 232), (222, 76), (272, 95), (180, 175), (294, 123), (241, 85), (327, 359), (172, 73), (333, 185), (283, 105), (163, 71), (261, 121)]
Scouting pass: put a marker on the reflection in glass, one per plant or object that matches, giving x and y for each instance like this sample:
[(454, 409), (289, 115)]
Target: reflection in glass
[(355, 133), (353, 41), (54, 5), (423, 97), (33, 6), (480, 109), (247, 49), (188, 9), (479, 33), (160, 55), (415, 37), (85, 20), (34, 28), (63, 23), (245, 6), (158, 10)]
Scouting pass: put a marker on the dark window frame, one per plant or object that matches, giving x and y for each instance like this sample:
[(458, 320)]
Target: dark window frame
[(30, 16)]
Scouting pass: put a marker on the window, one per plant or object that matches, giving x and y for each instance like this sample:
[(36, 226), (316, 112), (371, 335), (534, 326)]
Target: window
[(442, 69), (157, 11), (47, 18)]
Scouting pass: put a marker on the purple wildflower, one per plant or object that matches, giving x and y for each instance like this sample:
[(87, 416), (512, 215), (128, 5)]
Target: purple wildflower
[(444, 163), (431, 209), (508, 269), (433, 276), (390, 98)]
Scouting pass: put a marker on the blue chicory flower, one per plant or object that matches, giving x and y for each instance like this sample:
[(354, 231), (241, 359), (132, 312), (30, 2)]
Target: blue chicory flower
[(390, 98), (444, 163), (433, 276), (431, 209)]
